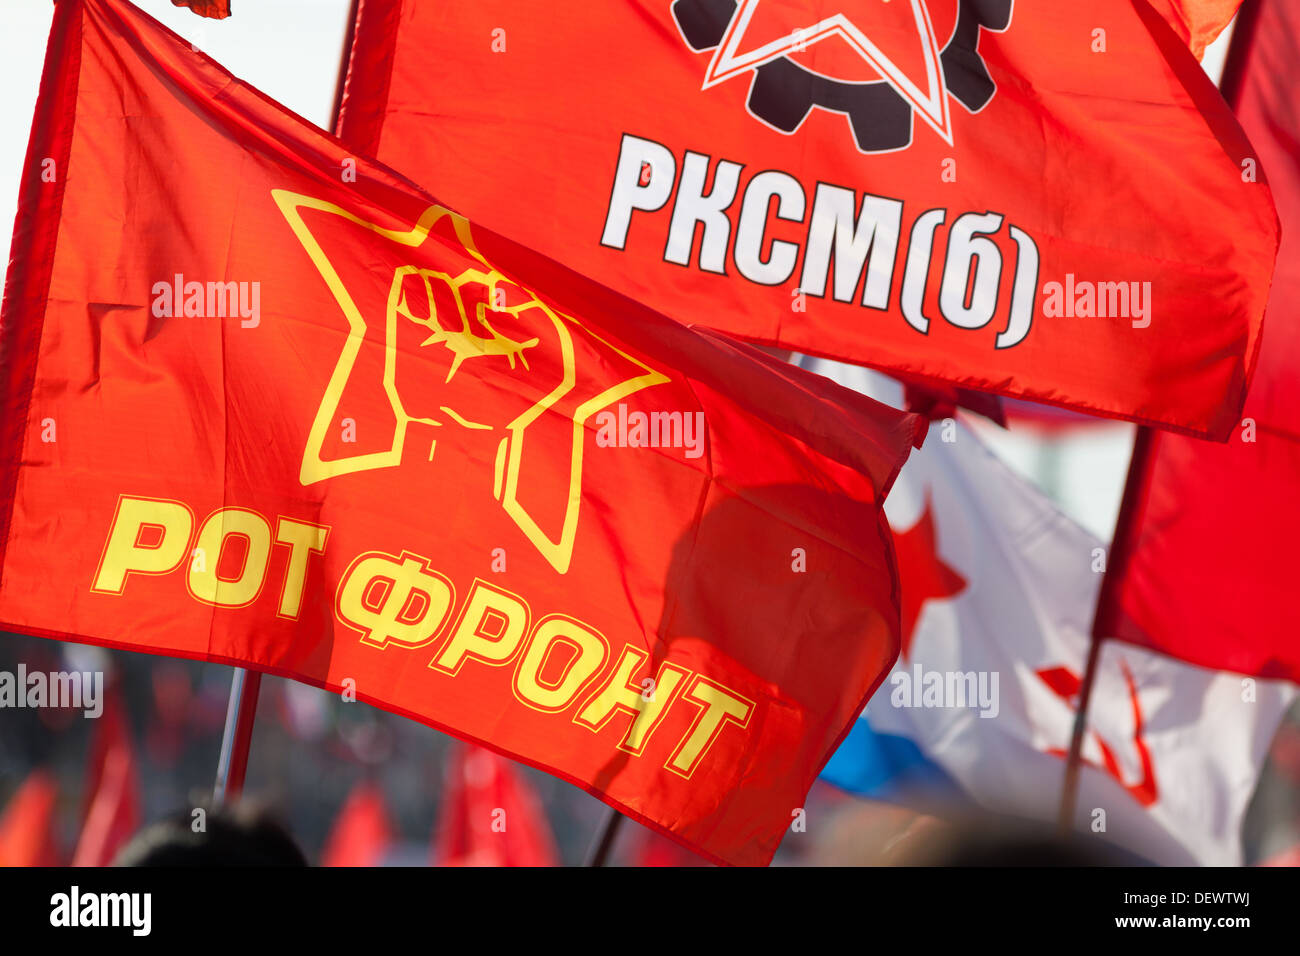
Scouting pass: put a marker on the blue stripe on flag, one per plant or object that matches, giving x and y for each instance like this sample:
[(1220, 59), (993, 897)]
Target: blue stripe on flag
[(886, 767)]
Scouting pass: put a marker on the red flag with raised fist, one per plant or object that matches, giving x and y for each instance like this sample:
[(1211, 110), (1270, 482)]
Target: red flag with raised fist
[(268, 403), (1201, 567), (1043, 200)]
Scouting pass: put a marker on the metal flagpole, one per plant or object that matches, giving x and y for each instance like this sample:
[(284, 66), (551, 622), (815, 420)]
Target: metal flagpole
[(232, 764), (345, 59), (237, 736), (1133, 492), (1070, 787), (605, 837)]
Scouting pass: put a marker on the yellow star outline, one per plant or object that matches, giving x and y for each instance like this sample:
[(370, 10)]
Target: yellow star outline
[(559, 550)]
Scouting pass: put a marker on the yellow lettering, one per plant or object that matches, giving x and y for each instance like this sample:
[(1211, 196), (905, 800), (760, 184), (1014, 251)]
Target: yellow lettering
[(217, 530), (719, 707), (304, 540), (646, 702), (590, 651), (394, 600), (148, 536), (490, 628)]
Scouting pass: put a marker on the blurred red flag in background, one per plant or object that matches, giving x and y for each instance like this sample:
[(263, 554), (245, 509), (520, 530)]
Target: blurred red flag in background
[(490, 815), (111, 787), (362, 833), (1041, 200), (1202, 565), (27, 824)]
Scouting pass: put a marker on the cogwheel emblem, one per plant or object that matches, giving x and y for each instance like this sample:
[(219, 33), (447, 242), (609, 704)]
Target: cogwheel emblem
[(879, 65)]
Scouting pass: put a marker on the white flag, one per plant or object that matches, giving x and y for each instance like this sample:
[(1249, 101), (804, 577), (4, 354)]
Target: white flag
[(999, 589)]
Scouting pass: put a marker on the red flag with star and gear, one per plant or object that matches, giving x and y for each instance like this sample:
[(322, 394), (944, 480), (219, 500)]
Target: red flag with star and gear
[(1042, 200), (314, 423)]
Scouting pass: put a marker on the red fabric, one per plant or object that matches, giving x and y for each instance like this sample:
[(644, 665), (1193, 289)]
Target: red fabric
[(1289, 857), (27, 824), (650, 849), (111, 788), (1201, 568), (422, 454), (937, 402), (1046, 417), (490, 815), (1197, 22), (362, 833), (214, 9), (595, 133)]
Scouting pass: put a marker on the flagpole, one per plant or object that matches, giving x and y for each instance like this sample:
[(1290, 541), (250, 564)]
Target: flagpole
[(241, 710), (349, 37), (1230, 86), (605, 837), (237, 738), (1134, 487), (1070, 786)]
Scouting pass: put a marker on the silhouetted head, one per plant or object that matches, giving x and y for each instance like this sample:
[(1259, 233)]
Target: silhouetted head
[(205, 836)]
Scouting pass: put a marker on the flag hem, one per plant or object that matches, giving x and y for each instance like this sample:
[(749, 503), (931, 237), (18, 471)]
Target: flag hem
[(31, 255)]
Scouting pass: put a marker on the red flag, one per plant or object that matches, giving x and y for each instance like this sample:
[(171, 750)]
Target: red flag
[(112, 791), (490, 815), (27, 825), (1197, 22), (1042, 200), (650, 849), (1196, 570), (1289, 857), (937, 402), (316, 424), (362, 833), (1048, 418), (214, 9)]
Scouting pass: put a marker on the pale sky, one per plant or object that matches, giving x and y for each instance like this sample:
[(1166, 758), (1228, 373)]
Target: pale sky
[(290, 50)]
